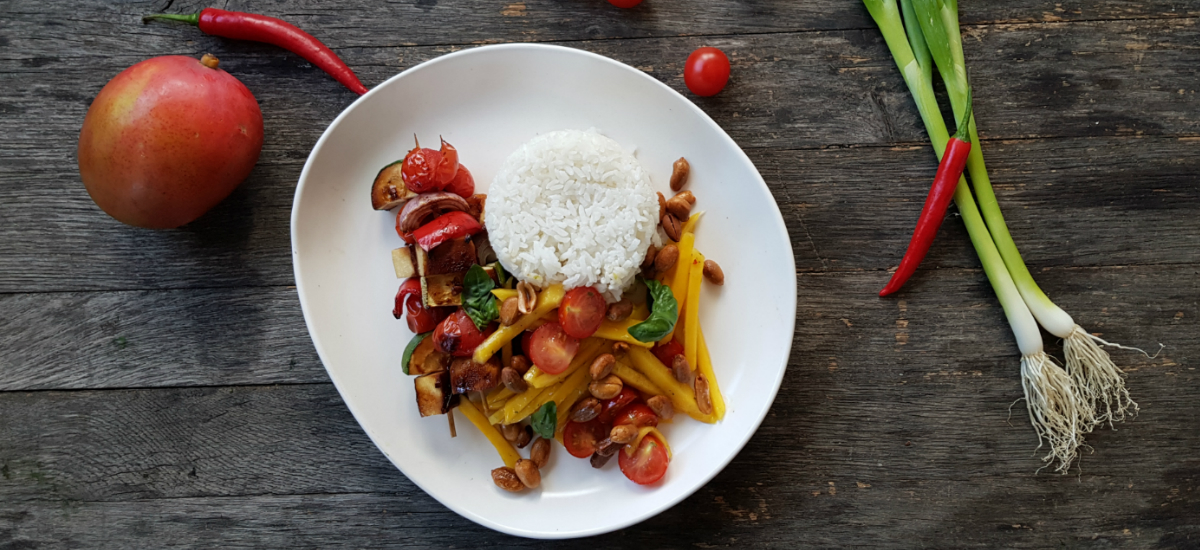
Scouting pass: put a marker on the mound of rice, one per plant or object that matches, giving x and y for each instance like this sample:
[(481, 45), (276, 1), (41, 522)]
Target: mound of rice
[(572, 207)]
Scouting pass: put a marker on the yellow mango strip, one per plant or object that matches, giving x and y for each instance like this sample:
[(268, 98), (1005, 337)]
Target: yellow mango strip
[(547, 301), (579, 378), (503, 294), (640, 312), (518, 402), (691, 334), (506, 450), (506, 354), (587, 352), (642, 433), (497, 397), (682, 396), (532, 406), (714, 389), (690, 225), (679, 281), (572, 390), (619, 331), (635, 379)]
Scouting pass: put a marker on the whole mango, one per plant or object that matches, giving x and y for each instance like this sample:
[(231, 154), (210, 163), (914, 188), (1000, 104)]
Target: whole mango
[(167, 139)]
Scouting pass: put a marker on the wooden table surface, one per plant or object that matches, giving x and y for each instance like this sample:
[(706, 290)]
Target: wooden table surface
[(159, 389)]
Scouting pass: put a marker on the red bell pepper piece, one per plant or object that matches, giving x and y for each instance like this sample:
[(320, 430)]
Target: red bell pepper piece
[(450, 225), (407, 288)]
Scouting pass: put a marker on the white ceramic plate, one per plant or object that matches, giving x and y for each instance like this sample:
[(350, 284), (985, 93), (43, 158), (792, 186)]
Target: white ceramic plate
[(487, 101)]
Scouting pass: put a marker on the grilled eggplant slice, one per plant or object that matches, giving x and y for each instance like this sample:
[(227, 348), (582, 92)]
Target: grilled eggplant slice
[(389, 190), (404, 262), (433, 393), (442, 290), (468, 376), (427, 359)]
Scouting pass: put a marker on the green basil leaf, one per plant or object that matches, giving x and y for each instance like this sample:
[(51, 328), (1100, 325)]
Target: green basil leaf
[(479, 303), (664, 313), (545, 420), (410, 348)]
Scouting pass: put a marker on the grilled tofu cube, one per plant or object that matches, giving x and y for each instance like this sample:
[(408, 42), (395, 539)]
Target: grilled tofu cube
[(427, 359), (453, 256), (389, 190), (468, 376), (404, 262), (433, 395), (442, 290)]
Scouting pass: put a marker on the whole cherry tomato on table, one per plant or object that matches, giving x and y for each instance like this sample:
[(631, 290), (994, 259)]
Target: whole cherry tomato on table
[(581, 312), (706, 71)]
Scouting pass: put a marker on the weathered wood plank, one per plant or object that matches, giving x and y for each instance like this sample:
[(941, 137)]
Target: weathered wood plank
[(892, 424)]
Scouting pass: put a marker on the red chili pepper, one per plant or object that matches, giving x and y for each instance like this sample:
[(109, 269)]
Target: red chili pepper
[(260, 28), (409, 287), (450, 225), (940, 194)]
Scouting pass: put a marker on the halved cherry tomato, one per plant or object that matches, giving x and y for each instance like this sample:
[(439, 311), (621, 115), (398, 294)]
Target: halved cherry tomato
[(636, 414), (551, 349), (610, 408), (458, 335), (706, 71), (407, 288), (419, 170), (423, 319), (447, 167), (647, 464), (667, 352), (463, 183), (582, 311), (580, 438), (450, 225)]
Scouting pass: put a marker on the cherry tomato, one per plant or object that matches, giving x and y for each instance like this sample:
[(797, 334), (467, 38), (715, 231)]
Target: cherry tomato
[(423, 319), (624, 3), (647, 464), (405, 236), (463, 184), (706, 71), (581, 312), (551, 349), (636, 414), (610, 408), (420, 169), (667, 352), (407, 288), (447, 167), (580, 438), (458, 335)]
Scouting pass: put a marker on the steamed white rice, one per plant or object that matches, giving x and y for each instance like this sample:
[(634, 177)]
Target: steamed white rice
[(572, 207)]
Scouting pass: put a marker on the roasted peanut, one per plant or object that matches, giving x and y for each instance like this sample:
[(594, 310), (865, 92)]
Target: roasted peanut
[(703, 396), (713, 273), (608, 447), (666, 258), (620, 347), (506, 478), (606, 388), (662, 205), (672, 226), (524, 437), (539, 453), (679, 207), (651, 254), (623, 434), (680, 368), (526, 297), (586, 409), (519, 363), (661, 405), (687, 196), (527, 472), (602, 367), (509, 313), (598, 460), (513, 380), (511, 431), (679, 174), (619, 310)]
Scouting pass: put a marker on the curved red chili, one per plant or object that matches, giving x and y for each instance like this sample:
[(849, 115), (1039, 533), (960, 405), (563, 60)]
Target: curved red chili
[(260, 28), (408, 288), (949, 171)]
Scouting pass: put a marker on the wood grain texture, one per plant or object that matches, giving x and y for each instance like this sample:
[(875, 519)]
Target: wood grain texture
[(885, 429)]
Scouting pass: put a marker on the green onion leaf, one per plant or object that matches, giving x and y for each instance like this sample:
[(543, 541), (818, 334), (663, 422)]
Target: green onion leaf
[(410, 348), (545, 420), (664, 313), (479, 303)]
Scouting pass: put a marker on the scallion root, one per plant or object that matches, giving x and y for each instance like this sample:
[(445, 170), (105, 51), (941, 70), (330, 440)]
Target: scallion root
[(1097, 379), (1056, 411)]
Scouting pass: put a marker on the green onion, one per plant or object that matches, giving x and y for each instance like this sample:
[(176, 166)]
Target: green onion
[(1098, 380), (1054, 408)]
